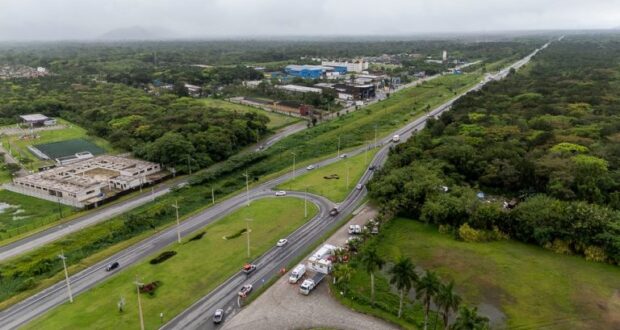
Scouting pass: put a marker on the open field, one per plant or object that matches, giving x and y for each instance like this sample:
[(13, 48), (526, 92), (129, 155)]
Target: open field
[(19, 213), (529, 286), (198, 268), (19, 147), (335, 188), (276, 120)]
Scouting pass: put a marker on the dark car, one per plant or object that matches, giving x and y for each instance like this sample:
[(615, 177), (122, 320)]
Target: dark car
[(334, 212), (372, 168), (112, 266), (218, 316)]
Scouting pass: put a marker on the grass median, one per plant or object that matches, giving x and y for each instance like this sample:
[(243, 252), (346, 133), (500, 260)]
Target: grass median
[(331, 181), (198, 267)]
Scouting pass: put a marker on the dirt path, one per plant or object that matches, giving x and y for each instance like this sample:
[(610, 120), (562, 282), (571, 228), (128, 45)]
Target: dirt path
[(283, 307)]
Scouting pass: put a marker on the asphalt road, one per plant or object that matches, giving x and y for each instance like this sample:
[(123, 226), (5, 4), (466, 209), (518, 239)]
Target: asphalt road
[(103, 213), (199, 314)]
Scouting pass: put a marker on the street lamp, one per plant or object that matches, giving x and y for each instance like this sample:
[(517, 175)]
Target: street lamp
[(338, 145), (247, 188), (294, 155), (138, 284), (306, 202), (64, 265), (247, 231), (189, 166), (375, 136), (176, 207)]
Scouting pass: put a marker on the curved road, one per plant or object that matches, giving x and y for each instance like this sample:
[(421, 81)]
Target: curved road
[(198, 315)]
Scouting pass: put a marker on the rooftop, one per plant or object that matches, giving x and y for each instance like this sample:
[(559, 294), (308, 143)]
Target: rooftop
[(34, 117)]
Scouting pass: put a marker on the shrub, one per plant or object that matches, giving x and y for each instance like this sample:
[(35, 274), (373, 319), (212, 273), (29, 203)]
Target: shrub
[(162, 257), (559, 246), (595, 253), (150, 287), (469, 234), (197, 236), (237, 234)]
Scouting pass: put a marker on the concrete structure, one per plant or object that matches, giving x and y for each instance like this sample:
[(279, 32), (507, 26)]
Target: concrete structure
[(353, 66), (357, 92), (299, 89), (444, 56), (87, 182)]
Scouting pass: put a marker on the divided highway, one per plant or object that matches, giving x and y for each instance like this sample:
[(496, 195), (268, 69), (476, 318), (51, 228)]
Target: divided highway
[(199, 314)]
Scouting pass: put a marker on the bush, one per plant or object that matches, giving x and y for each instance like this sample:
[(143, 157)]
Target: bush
[(559, 246), (162, 257), (197, 236), (237, 234), (595, 253), (469, 234), (150, 287)]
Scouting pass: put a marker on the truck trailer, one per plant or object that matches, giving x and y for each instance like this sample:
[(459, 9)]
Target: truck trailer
[(311, 283)]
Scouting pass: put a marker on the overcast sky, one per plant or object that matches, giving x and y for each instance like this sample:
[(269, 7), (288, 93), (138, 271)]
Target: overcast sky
[(89, 19)]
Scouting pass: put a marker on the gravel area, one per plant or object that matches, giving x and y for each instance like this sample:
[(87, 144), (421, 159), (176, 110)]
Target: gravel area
[(283, 307)]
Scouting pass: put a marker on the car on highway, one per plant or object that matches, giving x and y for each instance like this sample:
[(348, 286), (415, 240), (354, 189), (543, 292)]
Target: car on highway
[(218, 316), (282, 242), (281, 193), (334, 212), (245, 290), (112, 266), (310, 167), (396, 138), (372, 168), (248, 268), (359, 186), (344, 156)]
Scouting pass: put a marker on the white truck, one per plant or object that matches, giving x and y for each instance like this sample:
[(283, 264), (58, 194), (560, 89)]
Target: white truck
[(297, 273), (311, 283)]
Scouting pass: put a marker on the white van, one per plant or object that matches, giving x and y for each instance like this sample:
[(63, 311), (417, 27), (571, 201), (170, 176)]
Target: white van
[(297, 273), (396, 138)]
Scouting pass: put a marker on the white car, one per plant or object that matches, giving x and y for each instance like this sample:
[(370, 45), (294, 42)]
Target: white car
[(359, 186), (310, 167), (282, 242), (281, 193), (344, 156)]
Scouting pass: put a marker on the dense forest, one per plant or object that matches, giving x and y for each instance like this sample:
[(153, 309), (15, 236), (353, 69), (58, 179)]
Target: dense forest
[(534, 157)]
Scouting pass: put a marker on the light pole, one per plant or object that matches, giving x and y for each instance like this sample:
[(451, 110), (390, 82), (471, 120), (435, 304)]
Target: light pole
[(247, 188), (375, 136), (294, 155), (176, 208), (212, 196), (189, 166), (64, 265), (247, 231), (339, 146), (306, 202), (347, 164), (138, 284)]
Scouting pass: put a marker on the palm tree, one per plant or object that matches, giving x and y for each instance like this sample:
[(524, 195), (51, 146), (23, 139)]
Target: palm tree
[(403, 277), (342, 273), (426, 289), (371, 262), (468, 319), (447, 300)]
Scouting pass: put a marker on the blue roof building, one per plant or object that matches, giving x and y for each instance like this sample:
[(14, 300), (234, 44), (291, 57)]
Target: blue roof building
[(305, 71)]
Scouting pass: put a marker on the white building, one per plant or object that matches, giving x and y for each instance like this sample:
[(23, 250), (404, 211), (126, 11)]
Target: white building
[(444, 56), (87, 182), (353, 66), (299, 89)]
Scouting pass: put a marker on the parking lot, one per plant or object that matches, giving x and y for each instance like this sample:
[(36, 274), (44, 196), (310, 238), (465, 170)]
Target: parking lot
[(283, 307)]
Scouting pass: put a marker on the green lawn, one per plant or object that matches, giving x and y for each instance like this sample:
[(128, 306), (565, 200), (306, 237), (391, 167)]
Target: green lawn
[(533, 287), (19, 147), (335, 189), (276, 120), (198, 268), (23, 213)]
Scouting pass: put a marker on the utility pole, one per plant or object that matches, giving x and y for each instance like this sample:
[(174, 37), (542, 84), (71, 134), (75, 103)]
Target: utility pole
[(247, 188), (59, 207), (189, 166), (366, 154), (247, 231), (176, 207), (306, 202), (212, 196), (375, 136), (138, 284), (338, 145), (294, 155), (64, 265), (347, 164), (152, 194)]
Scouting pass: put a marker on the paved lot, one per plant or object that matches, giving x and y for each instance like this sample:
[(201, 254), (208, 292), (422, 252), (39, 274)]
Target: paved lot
[(283, 307)]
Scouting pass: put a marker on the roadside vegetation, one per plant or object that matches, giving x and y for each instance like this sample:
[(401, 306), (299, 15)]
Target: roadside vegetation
[(331, 181), (19, 213), (276, 120), (198, 267)]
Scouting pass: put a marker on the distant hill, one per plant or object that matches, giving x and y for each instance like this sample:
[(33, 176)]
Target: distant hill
[(138, 33)]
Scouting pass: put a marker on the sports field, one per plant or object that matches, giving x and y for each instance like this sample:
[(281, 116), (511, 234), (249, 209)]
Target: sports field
[(65, 148)]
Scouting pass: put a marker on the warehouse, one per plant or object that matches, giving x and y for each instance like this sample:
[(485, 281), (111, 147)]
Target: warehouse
[(37, 119), (307, 71), (88, 182)]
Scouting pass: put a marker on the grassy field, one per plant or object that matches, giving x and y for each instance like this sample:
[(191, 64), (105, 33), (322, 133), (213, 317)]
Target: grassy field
[(276, 120), (335, 189), (19, 213), (19, 147), (533, 287), (198, 268)]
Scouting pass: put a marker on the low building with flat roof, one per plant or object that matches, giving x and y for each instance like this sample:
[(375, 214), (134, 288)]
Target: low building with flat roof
[(88, 182), (37, 119), (299, 89)]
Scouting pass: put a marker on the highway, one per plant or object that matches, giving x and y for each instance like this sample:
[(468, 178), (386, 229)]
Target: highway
[(198, 315), (106, 212)]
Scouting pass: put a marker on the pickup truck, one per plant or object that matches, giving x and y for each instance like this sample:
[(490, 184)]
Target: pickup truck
[(309, 284), (248, 268), (245, 290)]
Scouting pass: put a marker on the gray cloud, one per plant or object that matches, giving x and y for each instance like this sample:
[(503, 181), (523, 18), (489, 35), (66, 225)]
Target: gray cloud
[(87, 19)]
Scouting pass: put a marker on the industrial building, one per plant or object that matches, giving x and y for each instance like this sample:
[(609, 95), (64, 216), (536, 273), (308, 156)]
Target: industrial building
[(37, 120), (88, 182), (313, 71), (299, 89), (353, 66), (352, 92)]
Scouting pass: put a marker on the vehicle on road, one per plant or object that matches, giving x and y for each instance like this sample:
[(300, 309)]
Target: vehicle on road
[(396, 138), (218, 316), (281, 193), (248, 268), (297, 273), (282, 242), (311, 283), (359, 186), (310, 167), (372, 168), (351, 229), (245, 290), (112, 266), (344, 156), (375, 230), (334, 212)]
